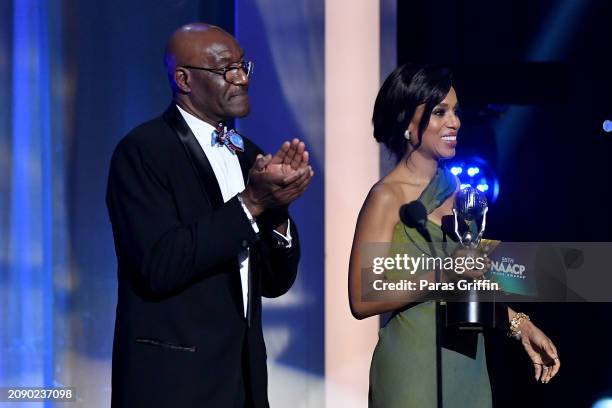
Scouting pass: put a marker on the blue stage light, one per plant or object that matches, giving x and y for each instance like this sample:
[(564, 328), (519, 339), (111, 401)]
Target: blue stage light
[(456, 170), (607, 126), (476, 172), (603, 403), (495, 189), (472, 171)]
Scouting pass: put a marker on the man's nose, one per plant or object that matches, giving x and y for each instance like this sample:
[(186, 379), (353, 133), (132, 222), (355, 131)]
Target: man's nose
[(241, 78)]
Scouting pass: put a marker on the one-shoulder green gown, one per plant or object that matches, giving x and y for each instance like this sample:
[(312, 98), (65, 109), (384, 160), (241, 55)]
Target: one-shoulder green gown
[(403, 369)]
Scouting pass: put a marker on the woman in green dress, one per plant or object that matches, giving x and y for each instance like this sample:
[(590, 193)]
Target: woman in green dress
[(415, 117)]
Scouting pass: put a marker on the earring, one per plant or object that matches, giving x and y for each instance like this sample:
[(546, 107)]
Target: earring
[(407, 134)]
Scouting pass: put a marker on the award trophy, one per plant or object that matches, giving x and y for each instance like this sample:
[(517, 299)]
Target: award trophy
[(468, 313), (472, 206)]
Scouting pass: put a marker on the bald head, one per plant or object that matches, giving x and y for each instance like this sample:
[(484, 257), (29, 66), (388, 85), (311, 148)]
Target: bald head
[(188, 44), (195, 57)]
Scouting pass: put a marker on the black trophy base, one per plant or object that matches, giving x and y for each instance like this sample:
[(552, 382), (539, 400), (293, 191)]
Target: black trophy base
[(470, 313)]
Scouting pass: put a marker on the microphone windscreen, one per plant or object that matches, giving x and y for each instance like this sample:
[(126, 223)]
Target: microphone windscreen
[(413, 214)]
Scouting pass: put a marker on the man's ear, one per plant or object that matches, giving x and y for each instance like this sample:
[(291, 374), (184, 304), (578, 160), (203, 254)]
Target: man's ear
[(182, 80)]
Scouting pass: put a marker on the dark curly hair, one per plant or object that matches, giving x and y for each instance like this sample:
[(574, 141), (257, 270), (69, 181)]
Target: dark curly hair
[(407, 87)]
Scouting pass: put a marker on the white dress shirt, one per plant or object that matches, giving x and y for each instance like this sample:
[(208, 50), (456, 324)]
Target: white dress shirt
[(227, 170)]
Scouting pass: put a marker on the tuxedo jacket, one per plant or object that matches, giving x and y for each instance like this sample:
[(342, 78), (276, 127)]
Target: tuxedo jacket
[(181, 337)]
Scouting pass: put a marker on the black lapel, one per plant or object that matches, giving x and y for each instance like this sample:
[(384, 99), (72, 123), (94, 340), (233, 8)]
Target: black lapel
[(242, 159), (207, 178), (244, 166)]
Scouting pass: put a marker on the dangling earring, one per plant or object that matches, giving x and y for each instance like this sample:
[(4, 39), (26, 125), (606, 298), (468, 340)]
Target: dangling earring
[(407, 134)]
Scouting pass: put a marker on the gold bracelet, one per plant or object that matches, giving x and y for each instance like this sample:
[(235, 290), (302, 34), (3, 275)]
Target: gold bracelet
[(515, 324)]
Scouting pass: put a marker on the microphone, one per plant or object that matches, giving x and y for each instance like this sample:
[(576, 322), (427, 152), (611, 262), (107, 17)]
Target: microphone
[(414, 215)]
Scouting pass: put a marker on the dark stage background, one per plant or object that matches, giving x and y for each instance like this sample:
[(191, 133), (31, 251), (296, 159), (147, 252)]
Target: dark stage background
[(534, 85)]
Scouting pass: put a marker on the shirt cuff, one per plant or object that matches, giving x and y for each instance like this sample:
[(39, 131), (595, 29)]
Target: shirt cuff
[(249, 215), (286, 238)]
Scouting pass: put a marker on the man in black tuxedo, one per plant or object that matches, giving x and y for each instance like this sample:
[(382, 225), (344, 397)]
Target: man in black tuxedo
[(201, 232)]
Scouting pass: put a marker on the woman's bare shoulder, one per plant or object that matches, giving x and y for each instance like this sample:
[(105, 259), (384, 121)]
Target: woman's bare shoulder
[(379, 213), (385, 194), (393, 189), (386, 197)]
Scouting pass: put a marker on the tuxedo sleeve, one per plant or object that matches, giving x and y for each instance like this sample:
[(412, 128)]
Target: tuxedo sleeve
[(280, 264), (150, 237)]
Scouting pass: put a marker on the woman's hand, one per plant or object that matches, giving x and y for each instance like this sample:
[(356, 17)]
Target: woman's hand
[(541, 350)]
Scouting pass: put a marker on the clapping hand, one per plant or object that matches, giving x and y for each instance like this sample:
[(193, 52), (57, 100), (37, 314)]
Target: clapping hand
[(290, 157), (277, 181)]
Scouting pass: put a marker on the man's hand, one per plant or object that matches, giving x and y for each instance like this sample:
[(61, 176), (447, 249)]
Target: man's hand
[(289, 158), (276, 185)]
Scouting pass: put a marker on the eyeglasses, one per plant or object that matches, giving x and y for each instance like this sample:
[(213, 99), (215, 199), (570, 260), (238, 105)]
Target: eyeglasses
[(231, 73)]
